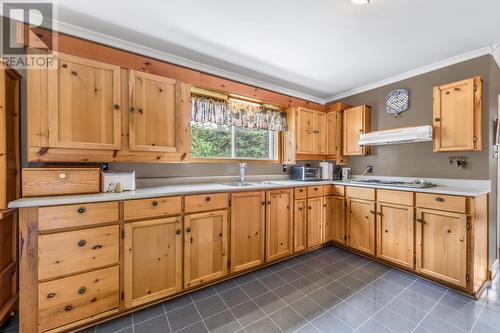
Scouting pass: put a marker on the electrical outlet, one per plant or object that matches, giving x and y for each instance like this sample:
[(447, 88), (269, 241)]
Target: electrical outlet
[(369, 169)]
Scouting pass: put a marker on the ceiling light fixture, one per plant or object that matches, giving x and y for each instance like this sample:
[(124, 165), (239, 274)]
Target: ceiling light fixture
[(360, 2)]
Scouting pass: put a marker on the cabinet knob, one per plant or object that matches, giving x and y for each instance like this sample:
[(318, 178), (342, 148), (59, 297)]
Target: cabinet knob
[(269, 202), (324, 205), (178, 232), (82, 210), (309, 207), (439, 199), (51, 295), (154, 203), (418, 220), (68, 308), (116, 107), (300, 208), (62, 175), (207, 199), (82, 243), (386, 231), (449, 231), (437, 119), (188, 229), (301, 190), (82, 290), (263, 203)]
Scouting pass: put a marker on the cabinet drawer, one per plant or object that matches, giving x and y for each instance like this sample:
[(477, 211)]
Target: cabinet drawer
[(395, 197), (334, 190), (57, 217), (361, 193), (67, 300), (154, 207), (442, 202), (315, 191), (202, 202), (74, 251), (300, 192), (57, 181)]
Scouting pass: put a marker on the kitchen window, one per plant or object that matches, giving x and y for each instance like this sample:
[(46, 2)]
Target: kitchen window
[(212, 141)]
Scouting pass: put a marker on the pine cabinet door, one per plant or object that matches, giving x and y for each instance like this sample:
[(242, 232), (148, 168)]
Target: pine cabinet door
[(314, 221), (205, 247), (305, 131), (279, 224), (328, 203), (320, 125), (84, 104), (331, 134), (361, 225), (441, 240), (152, 260), (248, 218), (153, 121), (356, 121), (338, 220), (299, 226), (395, 234), (457, 116)]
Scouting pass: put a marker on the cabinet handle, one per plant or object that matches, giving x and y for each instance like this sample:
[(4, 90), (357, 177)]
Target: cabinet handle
[(68, 308), (437, 119), (116, 107), (263, 203), (439, 199), (207, 199), (154, 203), (188, 229), (97, 247), (82, 290), (386, 231), (82, 243), (51, 295), (178, 232), (269, 202), (418, 220), (82, 210), (324, 205), (309, 207), (449, 231)]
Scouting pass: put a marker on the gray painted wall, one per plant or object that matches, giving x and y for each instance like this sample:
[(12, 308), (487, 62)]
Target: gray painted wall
[(418, 159)]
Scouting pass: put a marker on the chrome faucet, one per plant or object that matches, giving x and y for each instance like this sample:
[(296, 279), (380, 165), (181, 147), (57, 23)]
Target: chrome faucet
[(243, 167)]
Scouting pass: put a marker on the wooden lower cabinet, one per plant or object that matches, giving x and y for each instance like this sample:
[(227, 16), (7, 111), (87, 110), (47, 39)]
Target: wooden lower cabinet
[(205, 247), (395, 240), (327, 219), (299, 226), (314, 221), (338, 220), (361, 225), (8, 263), (152, 260), (248, 223), (279, 224), (441, 239)]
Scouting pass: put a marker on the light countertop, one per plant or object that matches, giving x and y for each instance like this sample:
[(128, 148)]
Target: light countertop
[(454, 188)]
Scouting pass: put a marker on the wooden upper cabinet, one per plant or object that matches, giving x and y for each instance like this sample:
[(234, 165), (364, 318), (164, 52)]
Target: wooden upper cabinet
[(152, 260), (356, 121), (361, 225), (205, 247), (441, 245), (395, 233), (457, 116), (279, 231), (320, 124), (248, 218), (84, 104), (331, 138), (305, 131), (153, 121)]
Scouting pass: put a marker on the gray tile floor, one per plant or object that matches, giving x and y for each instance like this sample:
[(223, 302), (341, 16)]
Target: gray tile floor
[(328, 290)]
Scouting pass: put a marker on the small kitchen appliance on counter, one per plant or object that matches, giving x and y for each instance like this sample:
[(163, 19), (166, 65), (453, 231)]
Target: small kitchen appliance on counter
[(326, 170), (346, 173), (304, 173), (117, 181)]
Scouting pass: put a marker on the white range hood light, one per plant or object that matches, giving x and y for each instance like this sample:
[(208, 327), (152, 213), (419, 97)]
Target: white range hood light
[(397, 136), (360, 2)]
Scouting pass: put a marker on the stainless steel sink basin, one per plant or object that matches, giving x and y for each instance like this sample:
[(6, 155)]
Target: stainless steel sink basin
[(240, 184)]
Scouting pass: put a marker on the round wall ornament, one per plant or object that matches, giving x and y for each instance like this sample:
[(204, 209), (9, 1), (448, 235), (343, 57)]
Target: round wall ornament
[(397, 101)]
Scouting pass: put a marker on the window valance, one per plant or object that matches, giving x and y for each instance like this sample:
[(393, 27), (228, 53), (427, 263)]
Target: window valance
[(231, 113)]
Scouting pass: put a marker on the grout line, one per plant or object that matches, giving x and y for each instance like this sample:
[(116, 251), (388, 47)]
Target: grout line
[(429, 312), (165, 312), (477, 318), (199, 314)]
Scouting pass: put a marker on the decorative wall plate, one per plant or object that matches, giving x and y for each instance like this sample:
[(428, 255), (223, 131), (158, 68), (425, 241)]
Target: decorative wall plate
[(397, 101)]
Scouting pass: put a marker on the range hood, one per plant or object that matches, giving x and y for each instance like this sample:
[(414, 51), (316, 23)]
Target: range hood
[(397, 136)]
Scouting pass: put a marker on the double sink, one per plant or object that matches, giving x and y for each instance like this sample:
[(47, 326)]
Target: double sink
[(251, 184)]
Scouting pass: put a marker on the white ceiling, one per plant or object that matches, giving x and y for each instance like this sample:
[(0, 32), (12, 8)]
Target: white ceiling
[(316, 48)]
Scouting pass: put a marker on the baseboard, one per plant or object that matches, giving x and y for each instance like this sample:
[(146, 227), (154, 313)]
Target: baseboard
[(494, 269)]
